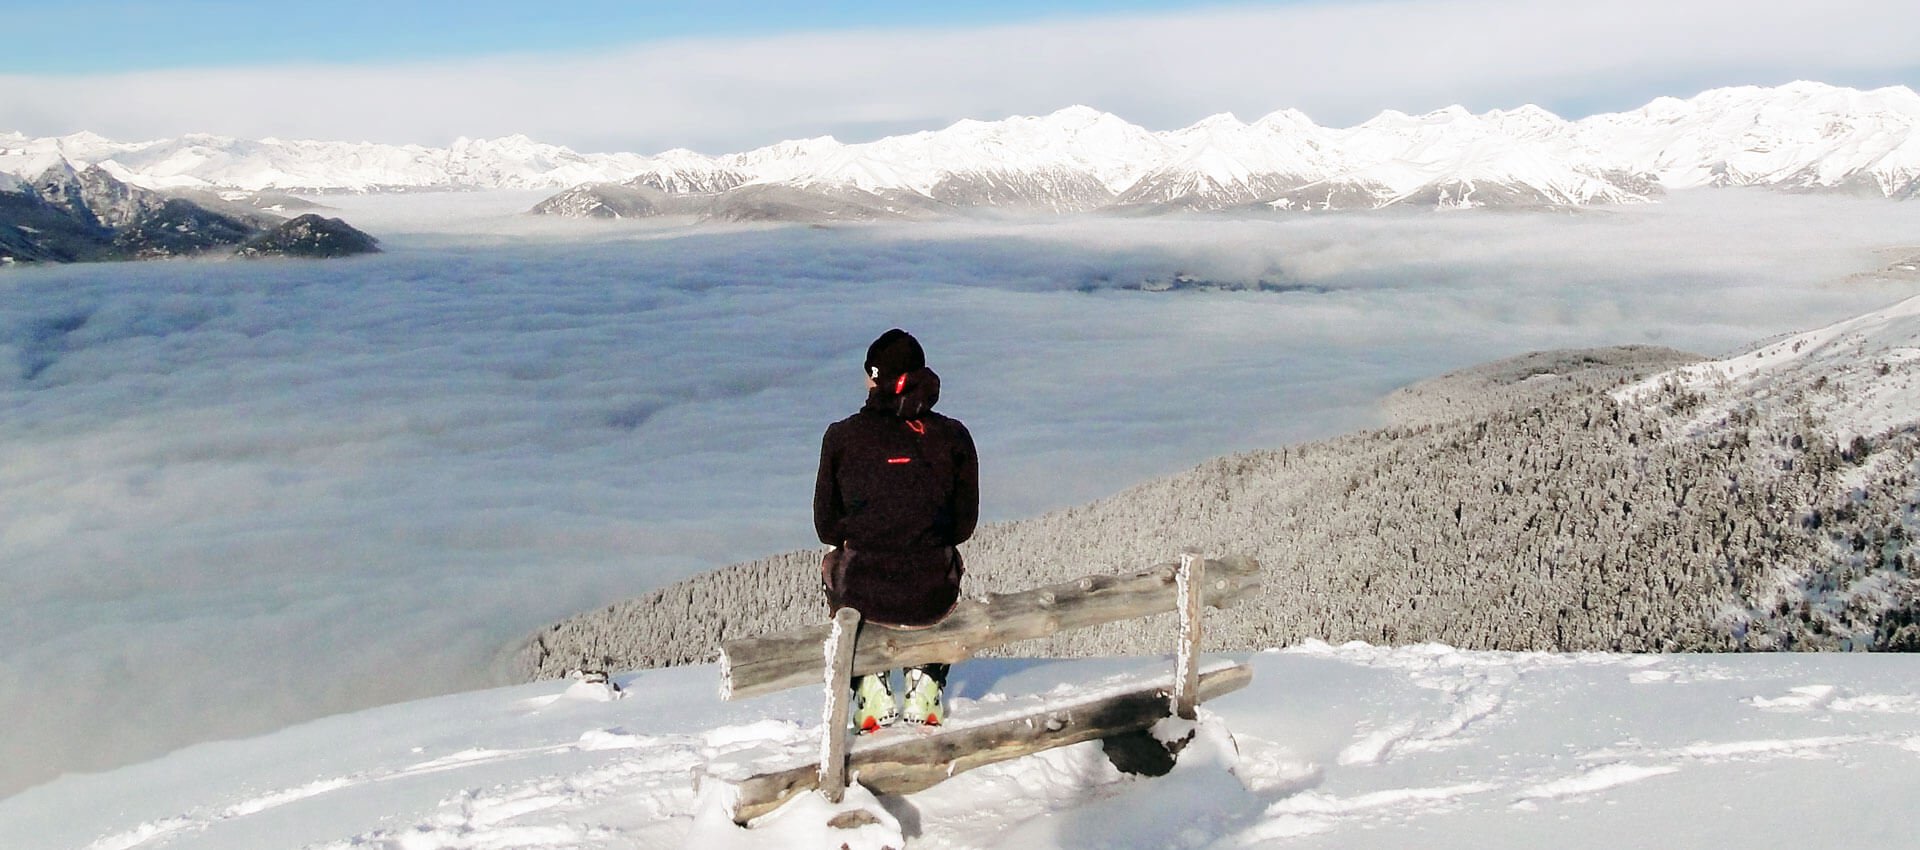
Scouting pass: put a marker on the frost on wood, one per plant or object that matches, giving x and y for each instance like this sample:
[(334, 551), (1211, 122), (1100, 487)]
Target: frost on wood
[(839, 649), (1187, 589), (833, 703)]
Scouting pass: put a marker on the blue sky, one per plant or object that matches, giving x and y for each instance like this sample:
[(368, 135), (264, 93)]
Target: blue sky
[(732, 75), (129, 36)]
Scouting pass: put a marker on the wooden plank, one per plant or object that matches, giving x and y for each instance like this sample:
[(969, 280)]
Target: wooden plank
[(915, 762), (1186, 664), (762, 665), (839, 666)]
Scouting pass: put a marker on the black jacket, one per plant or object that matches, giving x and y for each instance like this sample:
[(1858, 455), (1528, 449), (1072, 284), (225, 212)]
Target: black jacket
[(898, 489)]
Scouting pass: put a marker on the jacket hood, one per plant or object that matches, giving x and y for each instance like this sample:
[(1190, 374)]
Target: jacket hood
[(919, 391)]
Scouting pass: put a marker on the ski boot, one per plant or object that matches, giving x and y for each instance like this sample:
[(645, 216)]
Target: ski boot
[(926, 700), (873, 704)]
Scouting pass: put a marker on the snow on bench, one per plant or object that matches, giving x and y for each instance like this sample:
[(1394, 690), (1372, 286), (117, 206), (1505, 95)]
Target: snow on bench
[(904, 763)]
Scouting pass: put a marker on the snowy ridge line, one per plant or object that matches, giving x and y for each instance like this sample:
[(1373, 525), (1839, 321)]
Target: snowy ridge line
[(1803, 135), (1854, 376)]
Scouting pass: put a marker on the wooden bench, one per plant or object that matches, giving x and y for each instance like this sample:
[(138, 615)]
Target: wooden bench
[(831, 654)]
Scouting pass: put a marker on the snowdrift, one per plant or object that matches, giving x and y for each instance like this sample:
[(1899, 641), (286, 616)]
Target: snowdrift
[(1353, 746)]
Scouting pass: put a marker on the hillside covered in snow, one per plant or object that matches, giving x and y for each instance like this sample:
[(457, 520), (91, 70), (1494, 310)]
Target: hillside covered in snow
[(1624, 499), (1338, 747), (1798, 137)]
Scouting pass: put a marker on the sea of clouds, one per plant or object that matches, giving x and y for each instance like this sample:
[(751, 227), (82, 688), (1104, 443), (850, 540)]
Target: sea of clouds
[(235, 495)]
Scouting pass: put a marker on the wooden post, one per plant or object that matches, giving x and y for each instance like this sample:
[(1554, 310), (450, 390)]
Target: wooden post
[(833, 739), (1189, 584), (760, 665)]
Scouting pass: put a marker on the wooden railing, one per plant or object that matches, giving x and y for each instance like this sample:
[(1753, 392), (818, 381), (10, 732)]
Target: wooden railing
[(831, 654)]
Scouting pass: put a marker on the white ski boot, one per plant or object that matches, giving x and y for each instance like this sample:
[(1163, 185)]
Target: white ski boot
[(873, 704), (926, 698)]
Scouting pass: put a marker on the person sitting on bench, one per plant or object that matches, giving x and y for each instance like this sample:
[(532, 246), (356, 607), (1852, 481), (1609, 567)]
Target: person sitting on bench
[(898, 490)]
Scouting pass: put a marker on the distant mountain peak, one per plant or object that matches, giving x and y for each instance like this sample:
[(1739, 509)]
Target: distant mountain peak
[(1455, 112), (1286, 119), (84, 137), (1219, 121), (1526, 112), (1080, 116), (1802, 136), (1079, 110), (510, 142)]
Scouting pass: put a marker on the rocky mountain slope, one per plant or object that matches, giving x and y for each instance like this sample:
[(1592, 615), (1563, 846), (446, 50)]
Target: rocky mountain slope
[(1615, 499), (64, 214), (310, 235)]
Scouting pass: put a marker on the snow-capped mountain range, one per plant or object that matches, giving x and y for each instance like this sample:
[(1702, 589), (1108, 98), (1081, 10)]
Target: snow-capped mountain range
[(1800, 136)]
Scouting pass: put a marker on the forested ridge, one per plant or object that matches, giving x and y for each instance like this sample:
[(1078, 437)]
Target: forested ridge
[(1521, 505)]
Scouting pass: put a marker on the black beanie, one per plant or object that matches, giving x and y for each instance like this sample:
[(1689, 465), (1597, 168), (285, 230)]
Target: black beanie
[(895, 353)]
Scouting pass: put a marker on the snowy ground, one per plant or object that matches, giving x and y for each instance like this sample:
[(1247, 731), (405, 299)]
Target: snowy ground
[(1349, 747)]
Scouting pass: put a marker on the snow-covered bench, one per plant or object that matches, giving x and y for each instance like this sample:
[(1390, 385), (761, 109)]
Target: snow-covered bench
[(834, 652)]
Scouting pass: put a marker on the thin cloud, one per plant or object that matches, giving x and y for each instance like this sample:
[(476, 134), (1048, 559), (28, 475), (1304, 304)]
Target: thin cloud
[(1340, 63)]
